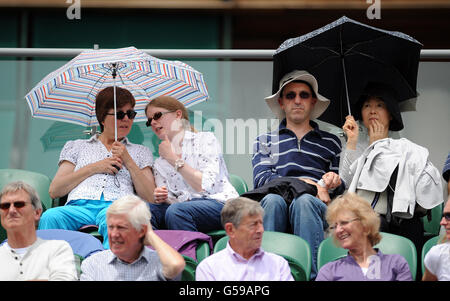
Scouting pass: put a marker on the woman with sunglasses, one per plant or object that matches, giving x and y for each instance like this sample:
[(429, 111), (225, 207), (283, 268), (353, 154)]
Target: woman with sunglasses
[(437, 260), (395, 176), (97, 171), (191, 176), (354, 226)]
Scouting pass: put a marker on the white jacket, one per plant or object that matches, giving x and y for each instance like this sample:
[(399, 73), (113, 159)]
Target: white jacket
[(418, 181)]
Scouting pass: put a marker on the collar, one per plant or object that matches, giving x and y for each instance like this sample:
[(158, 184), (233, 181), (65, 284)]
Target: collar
[(316, 131), (145, 254), (96, 136), (237, 256)]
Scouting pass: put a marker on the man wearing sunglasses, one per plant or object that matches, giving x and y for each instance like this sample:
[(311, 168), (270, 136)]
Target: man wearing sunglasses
[(25, 256), (298, 149)]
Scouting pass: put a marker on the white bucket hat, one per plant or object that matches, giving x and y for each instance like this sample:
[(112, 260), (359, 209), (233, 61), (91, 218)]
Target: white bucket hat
[(320, 106)]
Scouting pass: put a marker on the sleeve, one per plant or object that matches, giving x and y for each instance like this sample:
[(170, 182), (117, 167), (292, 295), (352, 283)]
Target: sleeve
[(263, 168), (70, 152), (285, 271), (334, 167), (429, 187), (87, 270), (62, 263), (209, 160), (203, 272), (431, 260), (325, 273), (347, 158), (402, 271), (143, 157)]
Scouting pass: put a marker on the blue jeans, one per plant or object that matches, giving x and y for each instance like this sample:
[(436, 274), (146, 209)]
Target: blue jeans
[(76, 214), (200, 215), (305, 215)]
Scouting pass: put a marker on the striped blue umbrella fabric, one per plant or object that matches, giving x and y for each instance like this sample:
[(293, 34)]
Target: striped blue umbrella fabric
[(68, 93)]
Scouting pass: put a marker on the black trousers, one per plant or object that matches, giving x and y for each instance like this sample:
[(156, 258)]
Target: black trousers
[(410, 228)]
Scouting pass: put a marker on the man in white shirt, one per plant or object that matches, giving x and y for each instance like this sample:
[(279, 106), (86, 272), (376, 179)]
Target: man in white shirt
[(243, 259), (129, 258), (25, 256)]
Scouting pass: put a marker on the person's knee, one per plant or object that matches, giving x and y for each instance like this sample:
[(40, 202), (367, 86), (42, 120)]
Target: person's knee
[(273, 201)]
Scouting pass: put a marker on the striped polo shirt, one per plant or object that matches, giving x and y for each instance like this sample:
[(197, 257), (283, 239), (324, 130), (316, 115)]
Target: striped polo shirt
[(281, 154)]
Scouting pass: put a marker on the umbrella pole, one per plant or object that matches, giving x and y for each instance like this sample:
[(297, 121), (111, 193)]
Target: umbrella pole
[(114, 73), (346, 87)]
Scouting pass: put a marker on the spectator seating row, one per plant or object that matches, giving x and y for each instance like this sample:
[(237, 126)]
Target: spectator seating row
[(298, 266)]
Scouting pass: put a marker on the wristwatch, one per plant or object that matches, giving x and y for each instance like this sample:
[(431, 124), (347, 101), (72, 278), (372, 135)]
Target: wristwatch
[(178, 164)]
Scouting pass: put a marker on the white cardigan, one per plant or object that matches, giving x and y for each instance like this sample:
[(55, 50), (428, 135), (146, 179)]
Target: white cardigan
[(418, 181)]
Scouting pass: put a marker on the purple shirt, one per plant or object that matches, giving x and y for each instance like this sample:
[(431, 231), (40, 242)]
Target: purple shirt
[(383, 267), (227, 265)]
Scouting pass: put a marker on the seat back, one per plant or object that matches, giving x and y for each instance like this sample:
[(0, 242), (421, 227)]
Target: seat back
[(291, 247), (82, 244), (389, 244), (426, 247), (238, 183), (188, 273), (38, 181)]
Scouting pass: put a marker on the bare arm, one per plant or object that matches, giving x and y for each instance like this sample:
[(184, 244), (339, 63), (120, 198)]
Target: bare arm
[(172, 261), (428, 276), (66, 178)]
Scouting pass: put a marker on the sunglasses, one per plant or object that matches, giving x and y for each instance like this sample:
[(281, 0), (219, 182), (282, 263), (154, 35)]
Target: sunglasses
[(121, 115), (446, 215), (302, 94), (18, 204), (156, 116)]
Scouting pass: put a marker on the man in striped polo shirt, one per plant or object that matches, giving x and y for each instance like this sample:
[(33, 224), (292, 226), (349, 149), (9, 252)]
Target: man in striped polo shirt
[(298, 149)]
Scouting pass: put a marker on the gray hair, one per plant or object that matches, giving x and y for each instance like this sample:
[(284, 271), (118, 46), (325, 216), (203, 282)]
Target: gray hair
[(235, 209), (136, 210), (20, 185)]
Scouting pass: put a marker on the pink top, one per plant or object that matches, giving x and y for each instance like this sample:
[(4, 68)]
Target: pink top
[(227, 265)]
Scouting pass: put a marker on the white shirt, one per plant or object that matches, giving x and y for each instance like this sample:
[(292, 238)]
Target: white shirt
[(437, 261), (201, 151), (44, 259), (227, 265), (82, 152)]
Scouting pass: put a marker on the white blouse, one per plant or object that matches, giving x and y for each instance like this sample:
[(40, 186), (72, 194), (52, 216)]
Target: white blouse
[(82, 152), (201, 151), (437, 261)]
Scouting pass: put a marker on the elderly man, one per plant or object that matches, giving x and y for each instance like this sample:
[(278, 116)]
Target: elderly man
[(129, 232), (298, 150), (243, 259), (25, 256)]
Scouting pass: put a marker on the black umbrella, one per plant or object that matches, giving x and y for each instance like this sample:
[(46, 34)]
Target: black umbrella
[(344, 56)]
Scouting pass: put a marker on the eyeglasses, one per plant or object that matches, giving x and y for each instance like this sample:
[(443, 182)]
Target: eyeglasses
[(446, 215), (302, 95), (156, 116), (342, 224), (121, 115), (17, 204)]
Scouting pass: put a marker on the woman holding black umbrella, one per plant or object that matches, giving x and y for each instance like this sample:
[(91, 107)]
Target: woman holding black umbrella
[(394, 175)]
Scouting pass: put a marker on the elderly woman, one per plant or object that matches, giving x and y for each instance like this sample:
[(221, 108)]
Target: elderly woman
[(437, 260), (190, 174), (99, 170), (355, 227), (394, 175)]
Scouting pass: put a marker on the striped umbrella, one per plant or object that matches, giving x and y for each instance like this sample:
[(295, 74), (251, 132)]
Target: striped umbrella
[(68, 93)]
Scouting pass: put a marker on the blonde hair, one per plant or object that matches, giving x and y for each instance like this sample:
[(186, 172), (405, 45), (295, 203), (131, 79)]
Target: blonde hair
[(362, 210), (172, 104)]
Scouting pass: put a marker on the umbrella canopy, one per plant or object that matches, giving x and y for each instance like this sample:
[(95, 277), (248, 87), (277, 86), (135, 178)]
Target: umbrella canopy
[(345, 56), (68, 93)]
